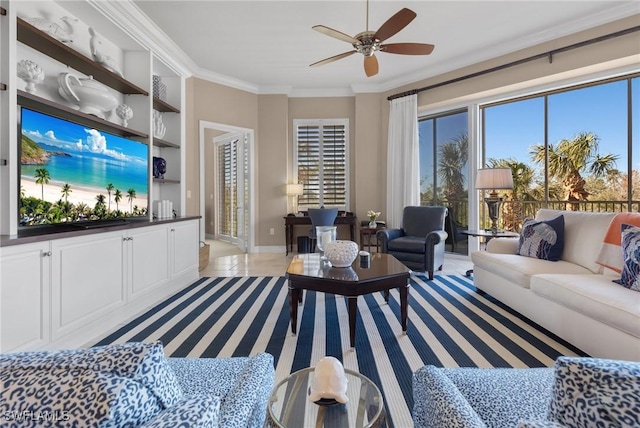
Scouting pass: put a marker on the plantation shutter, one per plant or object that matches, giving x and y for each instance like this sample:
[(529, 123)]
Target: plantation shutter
[(321, 161)]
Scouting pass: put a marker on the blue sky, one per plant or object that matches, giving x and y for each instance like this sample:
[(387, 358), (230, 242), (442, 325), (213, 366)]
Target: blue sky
[(512, 128), (70, 136)]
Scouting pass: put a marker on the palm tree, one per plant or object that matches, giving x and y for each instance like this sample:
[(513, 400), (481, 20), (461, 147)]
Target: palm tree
[(100, 207), (66, 190), (42, 177), (452, 161), (117, 197), (131, 194), (570, 159), (110, 188), (523, 190)]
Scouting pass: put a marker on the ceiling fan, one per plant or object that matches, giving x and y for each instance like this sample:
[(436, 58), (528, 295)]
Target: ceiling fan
[(369, 42)]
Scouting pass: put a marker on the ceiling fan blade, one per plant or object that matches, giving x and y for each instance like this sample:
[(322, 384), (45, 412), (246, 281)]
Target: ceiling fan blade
[(335, 34), (408, 48), (370, 65), (394, 24), (332, 58)]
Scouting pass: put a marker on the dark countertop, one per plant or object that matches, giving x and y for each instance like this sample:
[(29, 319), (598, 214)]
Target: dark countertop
[(60, 231)]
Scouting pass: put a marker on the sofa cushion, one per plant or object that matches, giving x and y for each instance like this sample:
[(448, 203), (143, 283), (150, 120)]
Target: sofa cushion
[(610, 255), (115, 385), (595, 392), (630, 276), (198, 411), (579, 228), (595, 296), (542, 239), (519, 270)]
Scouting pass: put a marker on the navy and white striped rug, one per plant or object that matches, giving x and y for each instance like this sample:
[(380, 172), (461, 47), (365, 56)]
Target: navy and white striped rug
[(449, 324)]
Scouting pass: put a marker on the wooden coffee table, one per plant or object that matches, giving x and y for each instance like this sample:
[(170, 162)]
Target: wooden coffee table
[(308, 272)]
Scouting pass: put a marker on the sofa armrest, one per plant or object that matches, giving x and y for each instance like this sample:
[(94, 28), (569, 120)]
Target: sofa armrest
[(386, 235), (439, 404), (503, 245)]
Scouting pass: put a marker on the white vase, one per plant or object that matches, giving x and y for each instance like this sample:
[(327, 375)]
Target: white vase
[(373, 224), (341, 253)]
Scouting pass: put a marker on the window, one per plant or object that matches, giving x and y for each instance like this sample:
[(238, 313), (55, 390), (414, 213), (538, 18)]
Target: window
[(569, 149), (443, 151), (321, 159)]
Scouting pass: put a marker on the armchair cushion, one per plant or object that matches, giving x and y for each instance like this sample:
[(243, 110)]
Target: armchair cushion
[(409, 244)]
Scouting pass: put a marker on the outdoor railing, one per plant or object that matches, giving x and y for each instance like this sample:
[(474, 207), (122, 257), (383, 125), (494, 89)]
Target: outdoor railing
[(516, 211)]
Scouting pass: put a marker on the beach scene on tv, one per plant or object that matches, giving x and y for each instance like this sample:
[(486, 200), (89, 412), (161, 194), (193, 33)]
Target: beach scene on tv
[(70, 173)]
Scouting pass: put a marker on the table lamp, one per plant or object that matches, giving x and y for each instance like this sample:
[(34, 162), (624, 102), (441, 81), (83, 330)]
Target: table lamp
[(493, 179), (295, 190)]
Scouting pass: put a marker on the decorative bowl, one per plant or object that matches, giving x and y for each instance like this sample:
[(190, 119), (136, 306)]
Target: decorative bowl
[(91, 96), (341, 253)]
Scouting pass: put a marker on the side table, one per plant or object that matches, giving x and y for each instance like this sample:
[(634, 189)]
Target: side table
[(488, 235), (368, 233), (289, 404)]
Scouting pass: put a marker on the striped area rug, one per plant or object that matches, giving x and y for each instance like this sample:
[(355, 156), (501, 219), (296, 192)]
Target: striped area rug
[(449, 324)]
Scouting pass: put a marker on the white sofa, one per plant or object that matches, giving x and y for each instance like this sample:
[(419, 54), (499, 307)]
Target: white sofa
[(574, 297)]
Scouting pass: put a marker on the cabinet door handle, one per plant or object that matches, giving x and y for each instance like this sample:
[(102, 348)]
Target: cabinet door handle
[(46, 254), (173, 230)]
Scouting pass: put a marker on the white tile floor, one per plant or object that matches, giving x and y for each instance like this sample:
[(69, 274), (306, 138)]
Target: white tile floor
[(226, 260)]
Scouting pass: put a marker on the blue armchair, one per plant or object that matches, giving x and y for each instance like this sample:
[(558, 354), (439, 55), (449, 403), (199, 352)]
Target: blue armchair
[(419, 243)]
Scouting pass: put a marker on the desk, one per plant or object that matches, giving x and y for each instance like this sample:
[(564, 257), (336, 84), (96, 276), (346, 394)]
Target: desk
[(488, 235), (291, 221)]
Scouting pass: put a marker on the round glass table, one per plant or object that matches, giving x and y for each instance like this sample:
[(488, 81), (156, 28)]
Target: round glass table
[(289, 404)]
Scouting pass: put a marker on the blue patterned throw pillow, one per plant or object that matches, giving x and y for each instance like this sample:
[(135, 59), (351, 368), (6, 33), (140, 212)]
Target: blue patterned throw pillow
[(110, 386), (631, 253), (593, 392), (542, 239)]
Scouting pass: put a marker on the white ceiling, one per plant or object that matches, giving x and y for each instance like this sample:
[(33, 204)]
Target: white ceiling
[(267, 46)]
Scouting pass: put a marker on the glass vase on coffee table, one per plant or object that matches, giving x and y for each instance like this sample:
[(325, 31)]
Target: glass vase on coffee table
[(325, 234)]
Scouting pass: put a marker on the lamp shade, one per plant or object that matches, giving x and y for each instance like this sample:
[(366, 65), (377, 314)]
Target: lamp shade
[(494, 178), (294, 189)]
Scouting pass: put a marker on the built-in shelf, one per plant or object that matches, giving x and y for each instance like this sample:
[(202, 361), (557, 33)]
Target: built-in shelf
[(43, 105), (165, 180), (163, 143), (41, 41), (163, 106)]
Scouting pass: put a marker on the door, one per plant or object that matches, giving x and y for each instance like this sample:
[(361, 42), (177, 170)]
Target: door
[(232, 189)]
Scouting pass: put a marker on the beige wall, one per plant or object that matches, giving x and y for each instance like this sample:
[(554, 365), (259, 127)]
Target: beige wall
[(271, 117)]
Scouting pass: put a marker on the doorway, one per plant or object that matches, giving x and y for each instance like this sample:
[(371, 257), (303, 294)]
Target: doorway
[(226, 184), (231, 162)]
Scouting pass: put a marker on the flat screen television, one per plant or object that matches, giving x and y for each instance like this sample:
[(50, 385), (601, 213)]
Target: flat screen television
[(74, 174)]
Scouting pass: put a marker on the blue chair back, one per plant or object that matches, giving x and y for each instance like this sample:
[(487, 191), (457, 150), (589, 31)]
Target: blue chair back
[(321, 217)]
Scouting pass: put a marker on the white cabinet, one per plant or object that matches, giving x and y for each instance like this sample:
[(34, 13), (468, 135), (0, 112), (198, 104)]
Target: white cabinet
[(24, 296), (87, 281), (66, 292), (184, 248), (148, 259)]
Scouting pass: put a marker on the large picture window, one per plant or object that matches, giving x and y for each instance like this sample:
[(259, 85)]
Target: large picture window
[(573, 149), (321, 162)]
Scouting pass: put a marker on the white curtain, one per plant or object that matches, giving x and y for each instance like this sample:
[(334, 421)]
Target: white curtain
[(403, 168)]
